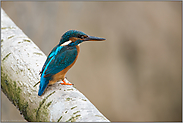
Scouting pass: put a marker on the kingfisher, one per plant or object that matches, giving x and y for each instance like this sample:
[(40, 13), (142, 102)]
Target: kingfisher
[(62, 57)]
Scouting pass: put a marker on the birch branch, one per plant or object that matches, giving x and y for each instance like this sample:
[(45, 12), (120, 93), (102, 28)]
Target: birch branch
[(21, 62)]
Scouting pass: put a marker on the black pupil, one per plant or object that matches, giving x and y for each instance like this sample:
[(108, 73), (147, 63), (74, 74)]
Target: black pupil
[(81, 36)]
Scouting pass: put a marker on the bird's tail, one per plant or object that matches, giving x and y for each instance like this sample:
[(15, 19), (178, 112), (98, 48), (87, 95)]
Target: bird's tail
[(43, 84)]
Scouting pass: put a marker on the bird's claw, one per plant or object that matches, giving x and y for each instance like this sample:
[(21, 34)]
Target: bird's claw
[(64, 83)]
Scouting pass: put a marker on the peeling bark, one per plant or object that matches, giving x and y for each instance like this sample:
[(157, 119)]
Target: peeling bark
[(21, 62)]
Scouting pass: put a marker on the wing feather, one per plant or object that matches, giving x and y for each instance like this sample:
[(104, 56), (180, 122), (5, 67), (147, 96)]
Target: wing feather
[(63, 58), (52, 53)]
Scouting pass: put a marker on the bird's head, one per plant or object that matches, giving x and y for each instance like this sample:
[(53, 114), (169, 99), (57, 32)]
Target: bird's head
[(74, 37)]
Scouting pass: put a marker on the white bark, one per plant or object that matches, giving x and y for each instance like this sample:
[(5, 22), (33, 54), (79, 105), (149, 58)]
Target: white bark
[(21, 62)]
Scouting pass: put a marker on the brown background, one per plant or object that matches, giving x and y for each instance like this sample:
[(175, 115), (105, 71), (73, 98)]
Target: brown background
[(135, 75)]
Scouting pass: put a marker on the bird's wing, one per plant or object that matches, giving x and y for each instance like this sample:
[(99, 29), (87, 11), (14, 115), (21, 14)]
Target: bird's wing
[(64, 57), (52, 53)]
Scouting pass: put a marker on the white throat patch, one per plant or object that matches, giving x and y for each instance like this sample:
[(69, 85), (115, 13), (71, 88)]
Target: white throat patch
[(66, 43)]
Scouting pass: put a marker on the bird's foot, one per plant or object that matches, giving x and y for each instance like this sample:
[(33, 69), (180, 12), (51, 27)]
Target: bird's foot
[(66, 83)]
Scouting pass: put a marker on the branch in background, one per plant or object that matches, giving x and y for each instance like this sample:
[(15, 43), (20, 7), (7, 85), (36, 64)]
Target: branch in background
[(21, 62)]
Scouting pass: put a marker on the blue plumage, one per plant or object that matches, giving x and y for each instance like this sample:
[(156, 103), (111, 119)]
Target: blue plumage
[(65, 56), (58, 59), (71, 33), (62, 58)]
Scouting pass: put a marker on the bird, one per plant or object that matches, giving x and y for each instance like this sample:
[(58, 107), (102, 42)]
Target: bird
[(62, 57)]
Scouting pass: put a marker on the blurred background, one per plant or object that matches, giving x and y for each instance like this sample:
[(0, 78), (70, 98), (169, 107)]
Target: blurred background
[(135, 75)]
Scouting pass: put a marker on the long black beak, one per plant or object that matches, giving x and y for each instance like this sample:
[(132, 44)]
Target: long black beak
[(92, 38)]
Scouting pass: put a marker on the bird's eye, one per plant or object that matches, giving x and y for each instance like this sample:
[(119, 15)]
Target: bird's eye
[(81, 36)]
